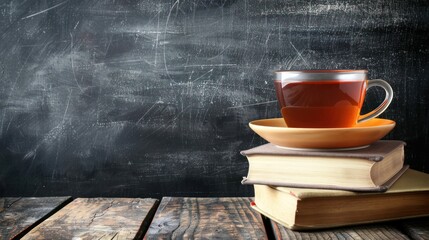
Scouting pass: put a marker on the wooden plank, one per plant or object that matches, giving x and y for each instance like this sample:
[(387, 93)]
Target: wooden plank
[(95, 218), (20, 215), (206, 218), (364, 232), (417, 229)]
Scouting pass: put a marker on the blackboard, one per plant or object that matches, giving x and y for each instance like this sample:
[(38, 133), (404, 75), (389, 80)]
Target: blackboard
[(152, 98)]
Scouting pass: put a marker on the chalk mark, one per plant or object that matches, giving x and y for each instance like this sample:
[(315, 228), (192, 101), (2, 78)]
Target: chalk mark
[(43, 11), (157, 102), (169, 123), (212, 65), (253, 104), (67, 106), (265, 52), (209, 71), (157, 40), (125, 61), (165, 37), (299, 54), (75, 26), (219, 54), (32, 153), (72, 63), (108, 45)]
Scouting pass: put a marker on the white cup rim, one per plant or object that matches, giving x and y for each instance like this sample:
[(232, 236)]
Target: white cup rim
[(321, 75)]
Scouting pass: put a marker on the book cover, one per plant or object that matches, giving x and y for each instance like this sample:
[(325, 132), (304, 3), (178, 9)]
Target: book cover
[(303, 208), (374, 152), (374, 168)]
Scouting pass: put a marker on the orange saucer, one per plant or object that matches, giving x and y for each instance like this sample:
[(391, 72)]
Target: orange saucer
[(275, 131)]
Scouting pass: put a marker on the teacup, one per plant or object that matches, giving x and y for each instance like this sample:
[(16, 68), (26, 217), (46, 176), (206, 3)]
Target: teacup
[(326, 98)]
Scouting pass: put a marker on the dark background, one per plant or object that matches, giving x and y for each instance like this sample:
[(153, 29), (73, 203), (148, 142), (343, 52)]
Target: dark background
[(152, 98)]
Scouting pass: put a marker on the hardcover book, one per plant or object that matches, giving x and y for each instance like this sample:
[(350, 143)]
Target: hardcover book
[(373, 168), (303, 208)]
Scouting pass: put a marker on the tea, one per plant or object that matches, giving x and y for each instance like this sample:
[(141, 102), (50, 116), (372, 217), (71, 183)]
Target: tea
[(321, 104)]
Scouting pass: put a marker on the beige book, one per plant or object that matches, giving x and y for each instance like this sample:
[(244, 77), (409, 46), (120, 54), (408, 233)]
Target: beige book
[(367, 169), (303, 208)]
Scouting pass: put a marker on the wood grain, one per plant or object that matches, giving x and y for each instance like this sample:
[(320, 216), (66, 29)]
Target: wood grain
[(19, 215), (362, 232), (417, 229), (106, 218), (206, 218)]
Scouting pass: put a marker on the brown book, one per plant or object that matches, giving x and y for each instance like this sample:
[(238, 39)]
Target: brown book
[(303, 208), (369, 169)]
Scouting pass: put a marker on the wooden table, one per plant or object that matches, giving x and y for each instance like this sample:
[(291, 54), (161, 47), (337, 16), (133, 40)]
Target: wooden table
[(170, 218)]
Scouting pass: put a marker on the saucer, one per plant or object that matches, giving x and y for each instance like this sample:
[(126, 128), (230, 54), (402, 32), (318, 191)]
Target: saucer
[(275, 131)]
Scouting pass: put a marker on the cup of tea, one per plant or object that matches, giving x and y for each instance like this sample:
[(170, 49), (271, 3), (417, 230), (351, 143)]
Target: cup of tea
[(326, 98)]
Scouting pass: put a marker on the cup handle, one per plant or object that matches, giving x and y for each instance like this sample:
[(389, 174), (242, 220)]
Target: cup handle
[(386, 102)]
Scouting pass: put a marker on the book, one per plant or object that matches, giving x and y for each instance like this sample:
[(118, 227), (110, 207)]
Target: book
[(303, 208), (373, 168)]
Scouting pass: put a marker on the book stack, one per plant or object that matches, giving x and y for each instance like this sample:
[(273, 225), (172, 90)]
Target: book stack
[(321, 189)]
